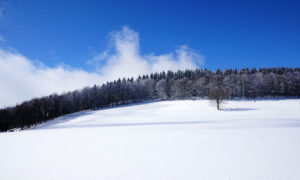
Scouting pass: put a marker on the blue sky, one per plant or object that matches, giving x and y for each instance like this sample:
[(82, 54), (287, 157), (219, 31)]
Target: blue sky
[(227, 33), (56, 46)]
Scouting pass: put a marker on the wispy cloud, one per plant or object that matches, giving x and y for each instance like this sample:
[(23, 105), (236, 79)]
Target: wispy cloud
[(22, 79), (123, 58)]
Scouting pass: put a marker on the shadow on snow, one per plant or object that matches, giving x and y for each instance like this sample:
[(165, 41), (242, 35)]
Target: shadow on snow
[(238, 109)]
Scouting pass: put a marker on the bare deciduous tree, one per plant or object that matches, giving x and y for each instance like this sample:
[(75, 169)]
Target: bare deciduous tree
[(218, 95), (218, 91)]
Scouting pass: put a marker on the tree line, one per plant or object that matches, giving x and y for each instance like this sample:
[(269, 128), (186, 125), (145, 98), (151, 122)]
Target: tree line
[(202, 83)]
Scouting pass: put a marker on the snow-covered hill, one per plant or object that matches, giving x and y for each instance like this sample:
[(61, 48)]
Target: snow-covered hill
[(247, 140)]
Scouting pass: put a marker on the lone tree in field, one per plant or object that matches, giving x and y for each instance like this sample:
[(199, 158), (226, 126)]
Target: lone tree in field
[(218, 92), (217, 95)]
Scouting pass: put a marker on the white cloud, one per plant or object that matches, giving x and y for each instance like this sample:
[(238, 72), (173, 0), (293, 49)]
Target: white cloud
[(22, 79), (123, 58)]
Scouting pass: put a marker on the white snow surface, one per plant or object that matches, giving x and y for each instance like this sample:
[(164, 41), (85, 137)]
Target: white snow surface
[(175, 140)]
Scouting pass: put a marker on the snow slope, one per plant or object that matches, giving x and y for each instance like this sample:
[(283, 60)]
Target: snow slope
[(173, 140)]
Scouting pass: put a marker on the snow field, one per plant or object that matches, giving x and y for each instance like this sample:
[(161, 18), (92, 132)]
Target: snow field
[(163, 140)]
